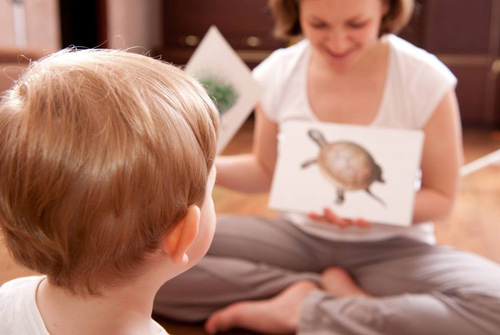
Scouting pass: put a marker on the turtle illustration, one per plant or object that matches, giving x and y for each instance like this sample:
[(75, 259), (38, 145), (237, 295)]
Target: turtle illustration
[(347, 165)]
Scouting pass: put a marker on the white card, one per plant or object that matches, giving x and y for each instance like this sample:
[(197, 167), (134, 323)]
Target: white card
[(227, 78), (357, 171)]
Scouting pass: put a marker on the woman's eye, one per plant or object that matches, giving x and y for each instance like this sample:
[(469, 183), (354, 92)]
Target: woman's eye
[(356, 25), (318, 25)]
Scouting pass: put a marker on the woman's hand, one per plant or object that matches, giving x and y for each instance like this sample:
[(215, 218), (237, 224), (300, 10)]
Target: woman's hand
[(329, 216)]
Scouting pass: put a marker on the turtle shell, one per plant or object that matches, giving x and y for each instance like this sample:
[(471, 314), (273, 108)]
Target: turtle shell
[(348, 165)]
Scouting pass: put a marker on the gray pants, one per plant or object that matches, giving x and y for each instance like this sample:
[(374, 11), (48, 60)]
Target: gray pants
[(419, 289)]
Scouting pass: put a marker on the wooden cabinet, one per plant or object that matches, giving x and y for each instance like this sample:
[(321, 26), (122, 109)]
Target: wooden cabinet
[(246, 24), (464, 34)]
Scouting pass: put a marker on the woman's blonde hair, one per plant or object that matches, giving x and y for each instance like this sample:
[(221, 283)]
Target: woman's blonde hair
[(101, 154), (286, 14)]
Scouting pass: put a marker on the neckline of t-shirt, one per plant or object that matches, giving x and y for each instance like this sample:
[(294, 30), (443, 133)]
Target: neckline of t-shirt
[(381, 109), (40, 323)]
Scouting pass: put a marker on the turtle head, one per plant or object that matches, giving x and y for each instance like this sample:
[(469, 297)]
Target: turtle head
[(378, 174), (317, 137)]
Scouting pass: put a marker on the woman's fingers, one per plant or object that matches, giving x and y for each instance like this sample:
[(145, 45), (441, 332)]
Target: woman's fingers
[(331, 217), (361, 223), (316, 216), (334, 218)]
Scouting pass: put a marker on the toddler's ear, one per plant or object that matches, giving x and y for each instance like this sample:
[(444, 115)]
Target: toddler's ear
[(178, 241)]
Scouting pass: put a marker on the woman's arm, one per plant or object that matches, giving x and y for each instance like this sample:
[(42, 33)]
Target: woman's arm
[(251, 172), (441, 159)]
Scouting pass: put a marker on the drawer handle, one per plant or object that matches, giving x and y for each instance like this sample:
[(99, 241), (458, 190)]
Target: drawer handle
[(191, 40), (495, 68), (253, 41)]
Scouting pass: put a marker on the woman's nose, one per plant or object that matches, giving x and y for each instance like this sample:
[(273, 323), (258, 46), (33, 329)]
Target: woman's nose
[(338, 42)]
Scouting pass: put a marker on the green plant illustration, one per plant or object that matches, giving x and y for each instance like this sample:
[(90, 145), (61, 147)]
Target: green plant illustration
[(221, 92)]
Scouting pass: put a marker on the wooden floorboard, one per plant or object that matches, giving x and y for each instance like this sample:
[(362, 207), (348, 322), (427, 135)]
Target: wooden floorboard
[(474, 224)]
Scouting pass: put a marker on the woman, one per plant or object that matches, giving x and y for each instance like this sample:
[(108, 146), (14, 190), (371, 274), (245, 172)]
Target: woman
[(323, 274)]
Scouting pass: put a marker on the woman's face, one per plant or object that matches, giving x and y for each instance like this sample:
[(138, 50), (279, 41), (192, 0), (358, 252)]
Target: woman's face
[(341, 31)]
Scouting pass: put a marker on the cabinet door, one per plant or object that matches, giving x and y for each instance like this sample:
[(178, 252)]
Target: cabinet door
[(458, 27), (246, 24), (497, 103), (495, 68), (465, 35)]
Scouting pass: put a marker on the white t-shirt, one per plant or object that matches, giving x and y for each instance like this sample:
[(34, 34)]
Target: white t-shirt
[(416, 82), (19, 314)]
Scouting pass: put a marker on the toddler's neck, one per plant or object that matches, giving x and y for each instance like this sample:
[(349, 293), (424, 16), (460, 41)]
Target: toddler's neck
[(124, 310)]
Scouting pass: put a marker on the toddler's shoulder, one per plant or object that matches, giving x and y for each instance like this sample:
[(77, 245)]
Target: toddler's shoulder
[(10, 291), (17, 302)]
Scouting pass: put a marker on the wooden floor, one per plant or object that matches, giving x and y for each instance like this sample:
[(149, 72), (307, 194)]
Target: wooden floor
[(474, 224)]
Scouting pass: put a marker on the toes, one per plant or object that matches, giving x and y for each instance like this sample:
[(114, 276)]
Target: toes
[(222, 320), (216, 322), (211, 323)]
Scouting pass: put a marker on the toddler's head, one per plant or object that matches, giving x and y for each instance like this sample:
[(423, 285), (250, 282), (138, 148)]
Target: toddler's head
[(101, 154)]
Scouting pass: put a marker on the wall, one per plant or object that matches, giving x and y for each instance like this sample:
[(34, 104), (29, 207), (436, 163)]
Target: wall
[(42, 25), (134, 23), (130, 23), (42, 36)]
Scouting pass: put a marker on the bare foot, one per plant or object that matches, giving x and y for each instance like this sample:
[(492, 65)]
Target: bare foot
[(339, 283), (278, 315)]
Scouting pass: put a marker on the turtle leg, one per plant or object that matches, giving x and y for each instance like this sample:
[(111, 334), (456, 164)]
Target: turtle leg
[(340, 196), (375, 197), (309, 162)]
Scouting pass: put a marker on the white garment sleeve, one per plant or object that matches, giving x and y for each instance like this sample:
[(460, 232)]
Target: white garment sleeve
[(432, 82), (268, 75)]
